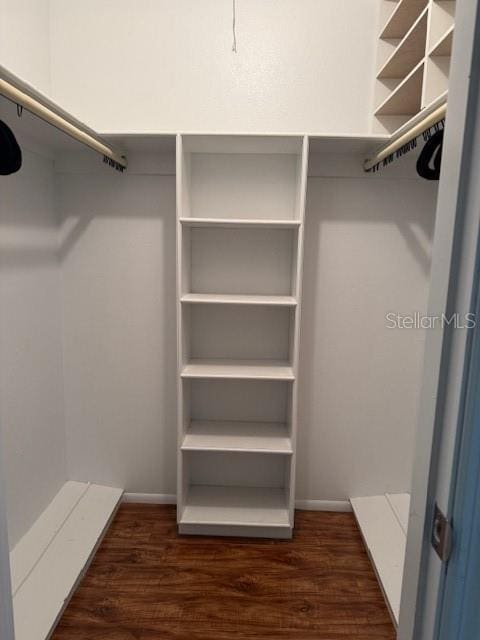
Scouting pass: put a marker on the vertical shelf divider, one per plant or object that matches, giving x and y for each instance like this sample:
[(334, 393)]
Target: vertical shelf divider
[(298, 274)]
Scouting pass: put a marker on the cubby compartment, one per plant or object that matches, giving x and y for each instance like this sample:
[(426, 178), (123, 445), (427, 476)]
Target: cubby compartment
[(241, 177), (398, 17), (235, 489), (239, 332), (409, 51), (239, 400), (442, 19), (436, 78), (236, 469), (251, 261), (237, 415), (405, 99)]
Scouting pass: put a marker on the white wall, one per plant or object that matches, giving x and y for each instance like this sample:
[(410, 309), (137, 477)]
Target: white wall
[(367, 253), (368, 243), (31, 388), (118, 253), (164, 65), (25, 40)]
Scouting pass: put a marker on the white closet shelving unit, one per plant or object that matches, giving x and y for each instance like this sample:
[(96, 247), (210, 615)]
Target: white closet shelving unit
[(414, 50), (240, 213)]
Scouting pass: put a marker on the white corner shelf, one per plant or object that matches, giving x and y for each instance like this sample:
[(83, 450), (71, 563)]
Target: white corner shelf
[(219, 298), (409, 52), (248, 437), (238, 369), (400, 21), (238, 310), (240, 222), (235, 506)]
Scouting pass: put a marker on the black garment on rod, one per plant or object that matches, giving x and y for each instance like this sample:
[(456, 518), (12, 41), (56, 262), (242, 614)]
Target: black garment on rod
[(10, 153), (430, 159)]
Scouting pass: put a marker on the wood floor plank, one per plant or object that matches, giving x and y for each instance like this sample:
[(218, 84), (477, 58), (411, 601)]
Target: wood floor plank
[(148, 583)]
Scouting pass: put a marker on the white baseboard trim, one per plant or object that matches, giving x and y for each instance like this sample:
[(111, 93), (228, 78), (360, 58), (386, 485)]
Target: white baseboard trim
[(305, 505), (342, 506), (150, 498)]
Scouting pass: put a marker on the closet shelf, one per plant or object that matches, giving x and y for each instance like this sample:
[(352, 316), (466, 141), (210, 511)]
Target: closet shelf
[(240, 222), (221, 298), (443, 47), (235, 506), (248, 437), (402, 18), (409, 52), (238, 369), (406, 98)]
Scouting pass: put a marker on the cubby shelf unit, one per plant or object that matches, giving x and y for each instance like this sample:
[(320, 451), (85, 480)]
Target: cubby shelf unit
[(240, 214), (415, 45)]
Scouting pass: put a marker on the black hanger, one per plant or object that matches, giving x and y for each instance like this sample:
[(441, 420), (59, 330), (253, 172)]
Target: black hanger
[(430, 159), (10, 153)]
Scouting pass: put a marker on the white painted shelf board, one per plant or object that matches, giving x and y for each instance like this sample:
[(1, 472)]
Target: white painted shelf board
[(400, 504), (242, 143), (235, 506), (142, 142), (386, 544), (402, 18), (354, 144), (443, 47), (219, 298), (238, 369), (35, 542), (254, 437), (406, 98), (41, 599), (240, 222), (409, 52)]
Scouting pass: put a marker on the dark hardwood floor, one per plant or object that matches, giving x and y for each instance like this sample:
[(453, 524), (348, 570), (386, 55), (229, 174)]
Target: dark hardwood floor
[(147, 583)]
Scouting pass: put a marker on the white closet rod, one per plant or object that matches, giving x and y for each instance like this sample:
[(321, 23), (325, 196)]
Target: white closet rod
[(416, 127), (20, 94)]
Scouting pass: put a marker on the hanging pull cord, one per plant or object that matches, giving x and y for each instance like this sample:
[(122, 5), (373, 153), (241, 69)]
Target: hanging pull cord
[(19, 110), (234, 19)]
